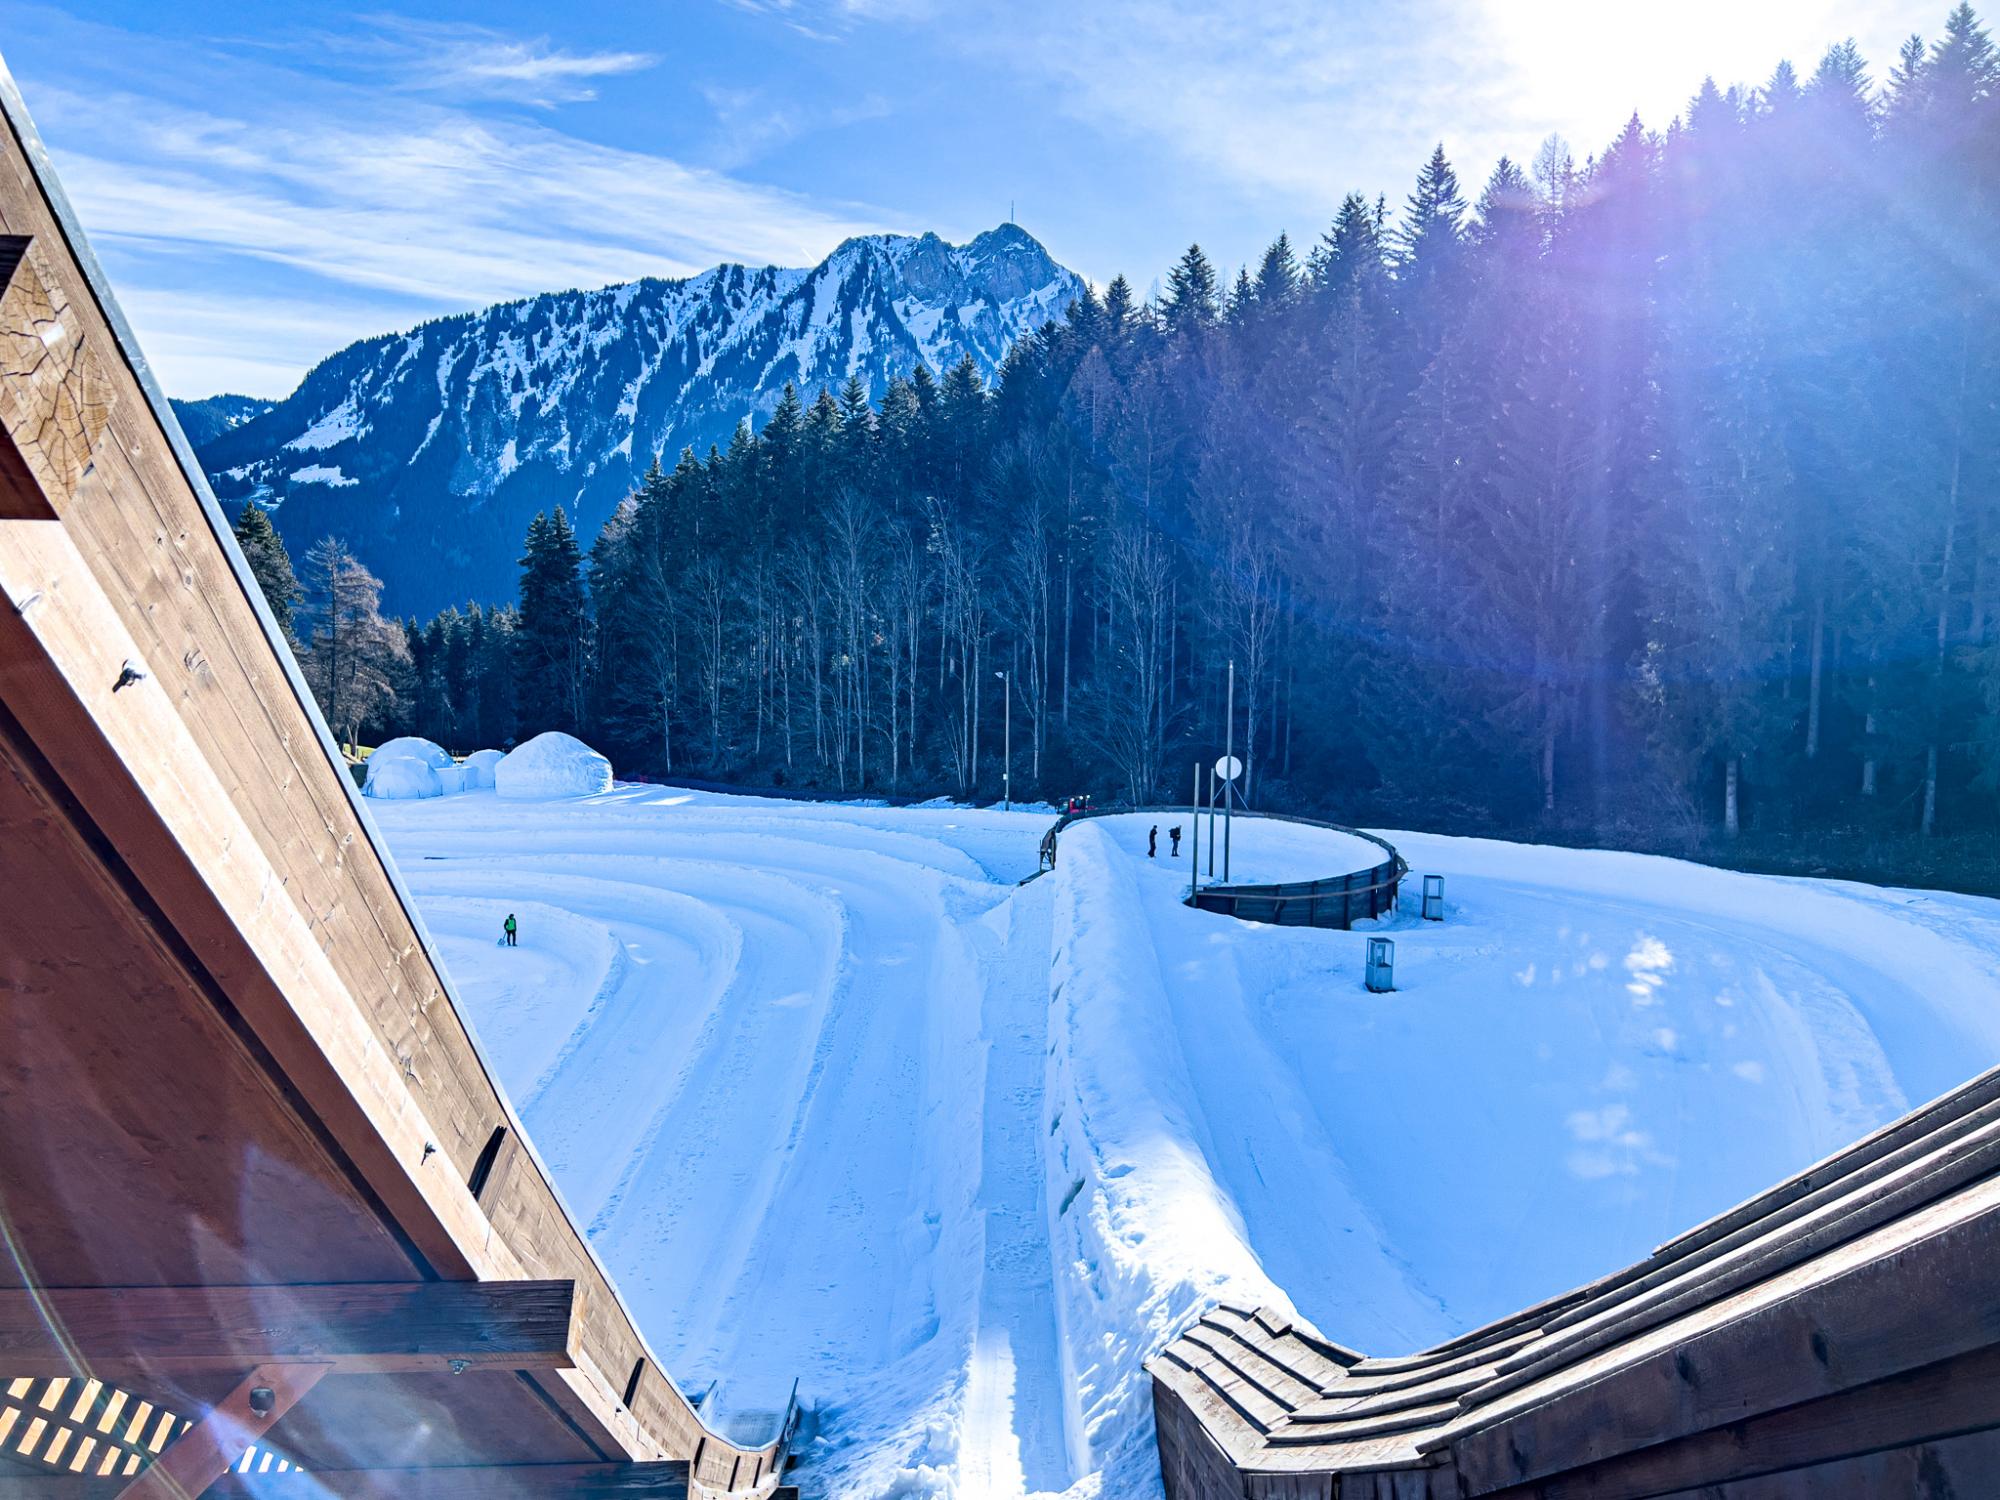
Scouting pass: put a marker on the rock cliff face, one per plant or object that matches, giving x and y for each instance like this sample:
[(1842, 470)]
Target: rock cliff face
[(429, 451)]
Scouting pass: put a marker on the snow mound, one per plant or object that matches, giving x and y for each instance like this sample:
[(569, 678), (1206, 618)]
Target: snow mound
[(451, 778), (552, 765), (412, 747), (402, 777), (480, 766)]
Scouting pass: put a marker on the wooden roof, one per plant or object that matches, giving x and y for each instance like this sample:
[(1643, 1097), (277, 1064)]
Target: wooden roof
[(228, 1055), (1851, 1310)]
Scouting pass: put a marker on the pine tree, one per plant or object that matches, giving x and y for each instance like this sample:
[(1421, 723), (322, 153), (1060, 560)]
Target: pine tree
[(550, 640), (1191, 302), (270, 565)]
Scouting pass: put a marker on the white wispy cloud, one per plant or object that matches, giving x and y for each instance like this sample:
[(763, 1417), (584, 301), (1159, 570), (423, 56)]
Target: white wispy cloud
[(827, 20), (360, 211), (463, 61), (435, 204)]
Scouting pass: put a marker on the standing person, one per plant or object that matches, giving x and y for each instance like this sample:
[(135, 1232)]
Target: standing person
[(1153, 842), (512, 928), (1174, 837)]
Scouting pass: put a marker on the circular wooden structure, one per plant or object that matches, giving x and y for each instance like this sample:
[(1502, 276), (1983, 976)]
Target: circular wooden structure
[(1335, 901)]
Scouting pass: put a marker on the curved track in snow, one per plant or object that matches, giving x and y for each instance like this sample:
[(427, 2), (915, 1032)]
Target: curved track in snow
[(838, 1101)]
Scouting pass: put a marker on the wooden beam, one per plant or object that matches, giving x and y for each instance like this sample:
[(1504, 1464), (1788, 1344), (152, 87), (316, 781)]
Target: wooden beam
[(1940, 1401), (203, 1454), (606, 1481), (1908, 1294), (352, 1330)]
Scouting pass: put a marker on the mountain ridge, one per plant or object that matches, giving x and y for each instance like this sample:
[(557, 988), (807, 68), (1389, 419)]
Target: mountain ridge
[(429, 450)]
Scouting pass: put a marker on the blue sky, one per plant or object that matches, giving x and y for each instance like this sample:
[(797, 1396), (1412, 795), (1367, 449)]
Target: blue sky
[(267, 183)]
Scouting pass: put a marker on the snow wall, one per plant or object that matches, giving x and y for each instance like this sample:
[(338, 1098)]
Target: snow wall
[(479, 767), (1128, 1184)]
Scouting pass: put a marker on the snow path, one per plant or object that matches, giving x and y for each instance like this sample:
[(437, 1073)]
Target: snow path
[(838, 1101), (794, 1092)]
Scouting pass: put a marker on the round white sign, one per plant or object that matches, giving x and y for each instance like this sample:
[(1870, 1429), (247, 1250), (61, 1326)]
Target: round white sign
[(1229, 768)]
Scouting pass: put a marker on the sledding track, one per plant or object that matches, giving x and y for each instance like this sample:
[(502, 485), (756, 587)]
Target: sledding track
[(838, 1099), (793, 1090)]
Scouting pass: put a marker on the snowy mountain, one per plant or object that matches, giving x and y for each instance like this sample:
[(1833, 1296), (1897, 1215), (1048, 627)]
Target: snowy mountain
[(206, 420), (429, 451)]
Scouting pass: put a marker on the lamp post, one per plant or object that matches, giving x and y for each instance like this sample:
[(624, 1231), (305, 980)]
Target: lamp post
[(1229, 755), (1007, 752)]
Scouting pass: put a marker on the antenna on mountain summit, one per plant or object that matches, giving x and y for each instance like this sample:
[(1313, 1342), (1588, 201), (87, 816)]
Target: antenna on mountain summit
[(1010, 210)]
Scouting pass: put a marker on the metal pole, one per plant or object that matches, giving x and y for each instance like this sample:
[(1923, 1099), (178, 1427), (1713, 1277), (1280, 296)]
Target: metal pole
[(1229, 753), (1007, 761), (1194, 853), (1211, 822)]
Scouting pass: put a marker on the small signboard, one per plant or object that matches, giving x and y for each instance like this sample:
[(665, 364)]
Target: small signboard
[(1229, 768)]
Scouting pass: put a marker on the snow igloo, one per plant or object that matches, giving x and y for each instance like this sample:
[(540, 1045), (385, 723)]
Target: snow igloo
[(552, 765), (407, 767), (400, 778)]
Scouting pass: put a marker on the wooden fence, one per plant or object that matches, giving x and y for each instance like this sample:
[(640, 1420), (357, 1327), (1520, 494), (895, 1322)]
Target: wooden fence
[(1336, 901)]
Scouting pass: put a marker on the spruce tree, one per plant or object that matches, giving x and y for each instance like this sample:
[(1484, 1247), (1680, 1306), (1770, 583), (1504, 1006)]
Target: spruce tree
[(270, 565), (1192, 302), (550, 636)]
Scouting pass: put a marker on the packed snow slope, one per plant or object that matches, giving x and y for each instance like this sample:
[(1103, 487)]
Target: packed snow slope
[(838, 1100)]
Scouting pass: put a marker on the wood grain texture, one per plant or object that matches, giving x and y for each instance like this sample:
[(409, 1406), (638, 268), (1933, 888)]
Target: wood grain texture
[(202, 1454), (55, 395), (444, 1326), (271, 904)]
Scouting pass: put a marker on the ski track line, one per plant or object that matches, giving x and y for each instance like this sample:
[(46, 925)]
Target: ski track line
[(642, 1102)]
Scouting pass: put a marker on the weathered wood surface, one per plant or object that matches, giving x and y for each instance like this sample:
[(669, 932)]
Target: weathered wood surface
[(55, 397), (202, 1454), (603, 1481), (1845, 1325), (440, 1326), (260, 894)]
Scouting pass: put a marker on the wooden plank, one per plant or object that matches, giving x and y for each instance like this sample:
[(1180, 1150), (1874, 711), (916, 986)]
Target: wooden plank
[(1803, 1229), (1943, 1400), (282, 849), (92, 1106), (1907, 1295), (605, 1481), (202, 1454), (353, 1329)]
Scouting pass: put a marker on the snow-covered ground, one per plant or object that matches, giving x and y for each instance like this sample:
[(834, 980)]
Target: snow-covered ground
[(839, 1100)]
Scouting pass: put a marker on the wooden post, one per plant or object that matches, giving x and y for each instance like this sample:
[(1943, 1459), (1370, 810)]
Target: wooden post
[(203, 1454)]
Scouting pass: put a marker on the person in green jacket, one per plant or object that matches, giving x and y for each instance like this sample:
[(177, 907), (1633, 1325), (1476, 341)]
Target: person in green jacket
[(512, 928)]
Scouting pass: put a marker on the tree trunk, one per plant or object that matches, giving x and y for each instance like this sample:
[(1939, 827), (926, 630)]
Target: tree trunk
[(1731, 824), (1930, 789), (1818, 660)]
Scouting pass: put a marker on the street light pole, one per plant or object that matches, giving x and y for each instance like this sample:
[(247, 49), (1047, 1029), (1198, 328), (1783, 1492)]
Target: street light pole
[(1229, 755), (1007, 752)]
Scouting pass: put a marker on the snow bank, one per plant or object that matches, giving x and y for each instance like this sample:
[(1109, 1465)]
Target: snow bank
[(401, 777), (552, 765), (479, 768), (1144, 1237)]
